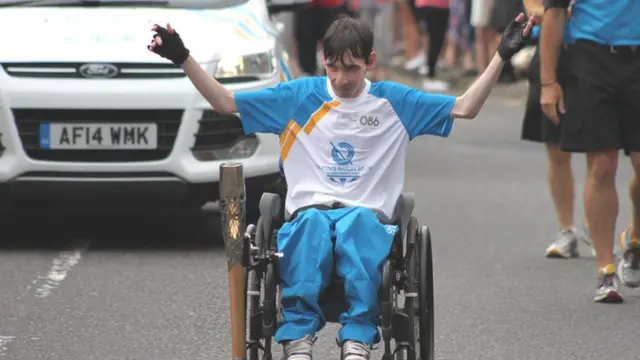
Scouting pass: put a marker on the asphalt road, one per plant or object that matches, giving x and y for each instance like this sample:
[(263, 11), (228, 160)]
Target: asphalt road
[(137, 287)]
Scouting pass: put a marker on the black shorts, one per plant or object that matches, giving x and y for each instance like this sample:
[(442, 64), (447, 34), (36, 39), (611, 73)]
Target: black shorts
[(602, 99), (536, 126)]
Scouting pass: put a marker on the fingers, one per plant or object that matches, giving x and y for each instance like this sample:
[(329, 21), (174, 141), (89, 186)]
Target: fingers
[(532, 21), (527, 29), (161, 30), (520, 18), (550, 111), (536, 18), (157, 41), (561, 107), (157, 38)]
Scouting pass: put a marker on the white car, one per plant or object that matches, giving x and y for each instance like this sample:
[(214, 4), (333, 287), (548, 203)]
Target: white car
[(89, 116)]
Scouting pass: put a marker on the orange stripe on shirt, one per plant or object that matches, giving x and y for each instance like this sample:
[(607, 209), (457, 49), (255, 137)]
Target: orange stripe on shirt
[(286, 132), (318, 115), (290, 138)]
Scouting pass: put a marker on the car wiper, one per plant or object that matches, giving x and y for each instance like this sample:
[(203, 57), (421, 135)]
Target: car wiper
[(88, 3)]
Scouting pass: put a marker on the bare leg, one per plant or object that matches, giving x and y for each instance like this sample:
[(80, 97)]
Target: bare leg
[(629, 266), (634, 193), (601, 203), (410, 27), (561, 184), (482, 51)]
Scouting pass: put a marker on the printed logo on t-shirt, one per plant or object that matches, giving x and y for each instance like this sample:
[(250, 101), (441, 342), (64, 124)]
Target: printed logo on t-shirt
[(344, 170)]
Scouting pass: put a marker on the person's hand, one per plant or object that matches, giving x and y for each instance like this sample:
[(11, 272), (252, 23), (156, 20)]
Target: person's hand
[(516, 36), (552, 100), (167, 43)]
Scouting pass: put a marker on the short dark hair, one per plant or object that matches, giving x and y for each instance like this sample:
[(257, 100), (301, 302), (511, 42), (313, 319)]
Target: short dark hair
[(347, 34)]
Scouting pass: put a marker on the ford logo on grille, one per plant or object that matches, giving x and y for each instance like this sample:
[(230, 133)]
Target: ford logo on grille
[(98, 71)]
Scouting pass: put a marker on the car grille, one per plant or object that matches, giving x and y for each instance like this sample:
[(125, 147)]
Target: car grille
[(217, 131), (28, 122), (73, 71), (124, 71)]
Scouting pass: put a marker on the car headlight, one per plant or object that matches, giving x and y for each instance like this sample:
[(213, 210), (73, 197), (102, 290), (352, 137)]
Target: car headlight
[(262, 65)]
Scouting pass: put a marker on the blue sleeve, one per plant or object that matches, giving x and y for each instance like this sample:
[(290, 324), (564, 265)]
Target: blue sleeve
[(420, 112), (268, 110)]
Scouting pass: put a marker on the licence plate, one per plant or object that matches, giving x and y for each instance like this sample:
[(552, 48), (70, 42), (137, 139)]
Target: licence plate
[(98, 136)]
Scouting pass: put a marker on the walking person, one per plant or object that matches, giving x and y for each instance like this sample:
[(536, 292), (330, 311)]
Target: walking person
[(484, 35), (599, 115), (502, 11), (459, 40), (414, 39), (435, 13), (378, 15), (537, 127), (310, 25)]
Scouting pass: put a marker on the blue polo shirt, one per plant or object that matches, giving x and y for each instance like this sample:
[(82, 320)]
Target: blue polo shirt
[(535, 33), (609, 22)]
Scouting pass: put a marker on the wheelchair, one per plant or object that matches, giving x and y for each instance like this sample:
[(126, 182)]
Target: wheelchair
[(407, 276)]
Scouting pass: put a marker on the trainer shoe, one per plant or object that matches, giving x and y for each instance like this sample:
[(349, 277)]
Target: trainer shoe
[(629, 266), (301, 349), (355, 350), (585, 237), (607, 290), (564, 246)]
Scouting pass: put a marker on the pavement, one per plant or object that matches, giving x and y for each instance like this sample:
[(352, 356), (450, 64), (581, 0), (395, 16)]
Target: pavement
[(143, 287)]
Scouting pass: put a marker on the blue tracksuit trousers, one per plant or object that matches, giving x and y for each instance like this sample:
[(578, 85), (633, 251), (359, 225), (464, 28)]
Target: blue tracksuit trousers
[(361, 248)]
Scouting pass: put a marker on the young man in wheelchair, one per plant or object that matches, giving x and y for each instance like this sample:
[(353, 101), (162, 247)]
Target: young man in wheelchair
[(344, 141)]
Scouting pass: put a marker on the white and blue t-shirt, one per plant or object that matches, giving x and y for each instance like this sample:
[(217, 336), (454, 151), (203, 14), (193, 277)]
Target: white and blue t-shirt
[(351, 151)]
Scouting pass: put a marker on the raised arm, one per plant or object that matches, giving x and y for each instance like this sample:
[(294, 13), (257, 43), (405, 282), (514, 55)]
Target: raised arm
[(217, 95), (514, 38), (264, 111), (168, 44)]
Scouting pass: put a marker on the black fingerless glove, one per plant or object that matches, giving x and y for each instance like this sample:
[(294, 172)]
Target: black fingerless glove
[(172, 47), (512, 40)]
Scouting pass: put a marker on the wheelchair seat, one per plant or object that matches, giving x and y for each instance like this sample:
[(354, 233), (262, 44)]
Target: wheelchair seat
[(333, 300), (272, 206)]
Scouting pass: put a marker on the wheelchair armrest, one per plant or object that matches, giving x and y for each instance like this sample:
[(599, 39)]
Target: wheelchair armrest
[(404, 209), (270, 206)]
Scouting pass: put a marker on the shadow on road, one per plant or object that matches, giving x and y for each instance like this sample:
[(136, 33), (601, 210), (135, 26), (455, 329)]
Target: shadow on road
[(111, 231)]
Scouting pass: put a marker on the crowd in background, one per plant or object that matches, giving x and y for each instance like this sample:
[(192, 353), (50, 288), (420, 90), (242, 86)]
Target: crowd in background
[(427, 37)]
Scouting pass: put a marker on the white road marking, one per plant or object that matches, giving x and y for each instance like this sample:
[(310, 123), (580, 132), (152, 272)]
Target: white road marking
[(4, 344), (44, 285), (59, 270)]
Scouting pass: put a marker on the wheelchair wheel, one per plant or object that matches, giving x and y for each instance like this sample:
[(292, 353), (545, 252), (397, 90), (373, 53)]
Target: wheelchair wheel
[(257, 299), (411, 288), (425, 295)]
